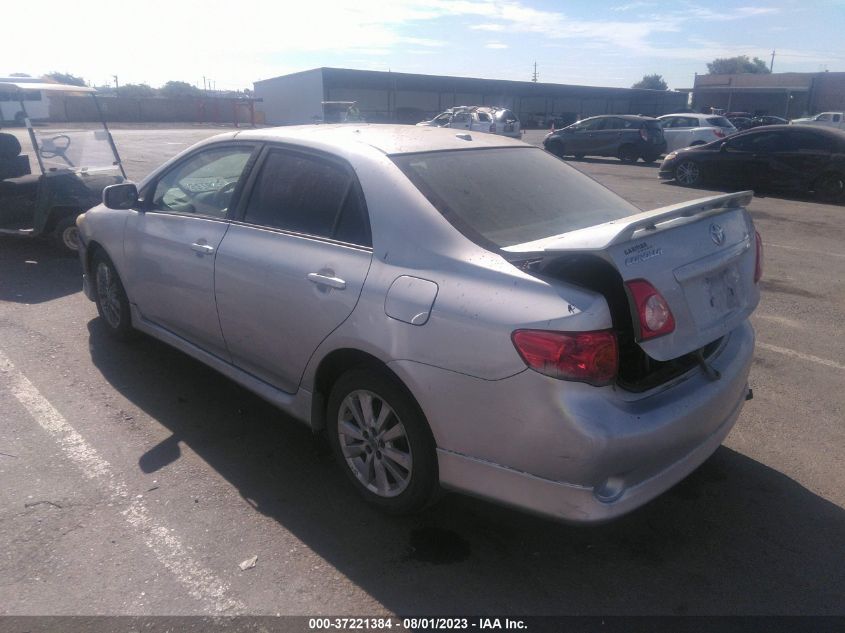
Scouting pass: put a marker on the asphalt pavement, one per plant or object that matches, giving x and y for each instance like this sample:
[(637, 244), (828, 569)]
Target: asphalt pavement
[(136, 481)]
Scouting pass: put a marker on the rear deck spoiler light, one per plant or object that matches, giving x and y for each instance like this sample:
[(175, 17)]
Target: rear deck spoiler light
[(604, 235)]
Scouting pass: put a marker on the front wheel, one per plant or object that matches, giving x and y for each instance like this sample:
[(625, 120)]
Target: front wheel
[(110, 297), (382, 441), (556, 148), (66, 235), (688, 173)]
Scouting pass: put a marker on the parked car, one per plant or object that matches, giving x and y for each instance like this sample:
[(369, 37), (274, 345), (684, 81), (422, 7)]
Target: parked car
[(825, 119), (465, 313), (688, 129), (625, 136), (766, 158), (740, 122), (759, 121), (478, 118)]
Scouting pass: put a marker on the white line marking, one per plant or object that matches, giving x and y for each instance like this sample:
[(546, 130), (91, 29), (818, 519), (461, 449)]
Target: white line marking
[(781, 320), (200, 581), (801, 355), (803, 250)]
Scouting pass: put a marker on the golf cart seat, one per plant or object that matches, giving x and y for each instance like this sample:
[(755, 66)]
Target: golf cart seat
[(12, 163), (21, 186)]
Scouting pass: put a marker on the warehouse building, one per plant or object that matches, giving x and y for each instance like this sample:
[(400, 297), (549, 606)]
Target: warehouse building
[(390, 97), (788, 95)]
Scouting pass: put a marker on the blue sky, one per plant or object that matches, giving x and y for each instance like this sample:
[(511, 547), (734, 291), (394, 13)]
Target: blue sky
[(581, 42)]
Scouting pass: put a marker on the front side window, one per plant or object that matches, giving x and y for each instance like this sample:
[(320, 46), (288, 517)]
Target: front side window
[(516, 194), (204, 184), (823, 117), (307, 194)]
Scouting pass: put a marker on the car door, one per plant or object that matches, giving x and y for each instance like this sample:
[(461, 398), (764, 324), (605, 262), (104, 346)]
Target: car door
[(673, 135), (461, 121), (293, 263), (584, 140), (170, 242), (746, 159), (800, 160)]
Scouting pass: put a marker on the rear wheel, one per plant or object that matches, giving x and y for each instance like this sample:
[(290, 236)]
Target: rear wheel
[(688, 173), (66, 235), (628, 154), (110, 297), (830, 187), (382, 441)]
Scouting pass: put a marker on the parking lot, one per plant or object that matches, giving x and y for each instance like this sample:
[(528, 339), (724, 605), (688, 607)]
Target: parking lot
[(136, 480)]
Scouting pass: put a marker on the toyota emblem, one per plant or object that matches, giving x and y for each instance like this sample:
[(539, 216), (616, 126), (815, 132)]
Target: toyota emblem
[(717, 234)]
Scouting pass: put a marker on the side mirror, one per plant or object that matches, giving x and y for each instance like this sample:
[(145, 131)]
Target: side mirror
[(122, 196)]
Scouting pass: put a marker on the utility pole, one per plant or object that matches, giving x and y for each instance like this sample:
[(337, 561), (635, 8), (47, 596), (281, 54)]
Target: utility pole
[(116, 87), (203, 84), (534, 76), (772, 63)]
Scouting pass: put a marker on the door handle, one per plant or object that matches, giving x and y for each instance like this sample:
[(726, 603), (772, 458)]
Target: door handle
[(205, 249), (326, 280)]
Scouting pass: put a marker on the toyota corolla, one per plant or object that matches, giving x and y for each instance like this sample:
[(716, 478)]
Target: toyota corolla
[(454, 311)]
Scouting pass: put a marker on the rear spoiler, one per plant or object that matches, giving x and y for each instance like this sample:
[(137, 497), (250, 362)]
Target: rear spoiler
[(604, 235)]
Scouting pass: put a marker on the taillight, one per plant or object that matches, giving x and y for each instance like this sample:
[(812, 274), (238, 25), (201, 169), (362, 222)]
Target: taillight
[(719, 133), (644, 133), (591, 357), (758, 261), (653, 313)]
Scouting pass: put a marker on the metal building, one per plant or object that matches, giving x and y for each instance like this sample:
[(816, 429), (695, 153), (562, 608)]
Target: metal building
[(409, 98), (787, 95)]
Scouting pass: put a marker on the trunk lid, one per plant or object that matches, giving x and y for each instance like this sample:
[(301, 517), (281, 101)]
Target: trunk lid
[(699, 255)]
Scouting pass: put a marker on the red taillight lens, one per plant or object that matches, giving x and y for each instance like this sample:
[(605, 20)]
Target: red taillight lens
[(758, 262), (718, 133), (591, 357), (644, 133), (653, 312)]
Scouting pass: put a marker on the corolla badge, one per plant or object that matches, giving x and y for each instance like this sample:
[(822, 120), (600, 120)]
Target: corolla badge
[(717, 234)]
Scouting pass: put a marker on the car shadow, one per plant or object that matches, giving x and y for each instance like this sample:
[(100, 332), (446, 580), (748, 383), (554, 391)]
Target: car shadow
[(611, 161), (793, 196), (34, 271), (735, 537)]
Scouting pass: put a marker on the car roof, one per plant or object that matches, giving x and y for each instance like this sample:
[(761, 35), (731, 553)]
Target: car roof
[(627, 117), (695, 115), (388, 139)]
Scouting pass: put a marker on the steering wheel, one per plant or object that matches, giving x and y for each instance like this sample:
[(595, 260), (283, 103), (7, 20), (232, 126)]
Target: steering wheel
[(223, 196), (56, 146)]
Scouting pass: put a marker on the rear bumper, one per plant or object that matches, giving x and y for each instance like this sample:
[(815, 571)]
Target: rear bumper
[(572, 451)]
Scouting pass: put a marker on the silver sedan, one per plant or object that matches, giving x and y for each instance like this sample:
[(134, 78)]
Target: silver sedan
[(453, 310)]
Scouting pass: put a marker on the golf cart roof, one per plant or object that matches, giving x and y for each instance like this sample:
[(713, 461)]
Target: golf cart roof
[(21, 85)]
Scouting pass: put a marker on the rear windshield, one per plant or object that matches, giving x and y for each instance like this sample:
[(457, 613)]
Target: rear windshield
[(505, 196), (719, 121)]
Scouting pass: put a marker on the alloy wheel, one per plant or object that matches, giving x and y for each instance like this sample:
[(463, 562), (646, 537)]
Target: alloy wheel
[(687, 173), (374, 443), (70, 238), (108, 294)]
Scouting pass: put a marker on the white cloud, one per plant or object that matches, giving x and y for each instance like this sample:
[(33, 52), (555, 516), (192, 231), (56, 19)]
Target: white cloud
[(496, 45)]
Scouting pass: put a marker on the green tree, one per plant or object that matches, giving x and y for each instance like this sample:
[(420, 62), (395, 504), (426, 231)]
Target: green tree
[(65, 78), (652, 82), (737, 65), (179, 89), (136, 90)]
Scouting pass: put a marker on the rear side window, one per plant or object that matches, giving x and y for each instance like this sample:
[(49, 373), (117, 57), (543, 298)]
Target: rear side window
[(514, 195), (719, 121), (775, 141), (807, 141), (309, 195)]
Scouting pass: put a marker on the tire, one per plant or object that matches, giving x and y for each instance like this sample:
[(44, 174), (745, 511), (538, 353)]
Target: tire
[(556, 148), (66, 235), (395, 470), (628, 154), (830, 187), (687, 173), (110, 297), (649, 159)]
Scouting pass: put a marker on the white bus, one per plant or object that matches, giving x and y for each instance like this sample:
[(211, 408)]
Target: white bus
[(37, 103)]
